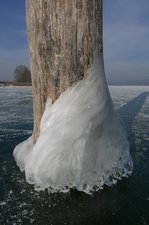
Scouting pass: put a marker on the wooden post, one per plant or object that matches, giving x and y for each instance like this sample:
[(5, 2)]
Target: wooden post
[(64, 37)]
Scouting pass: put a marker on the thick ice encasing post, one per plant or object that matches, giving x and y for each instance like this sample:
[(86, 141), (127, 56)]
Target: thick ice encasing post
[(64, 38)]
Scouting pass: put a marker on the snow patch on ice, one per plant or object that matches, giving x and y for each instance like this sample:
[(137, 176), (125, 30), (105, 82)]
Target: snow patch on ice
[(82, 143), (3, 203)]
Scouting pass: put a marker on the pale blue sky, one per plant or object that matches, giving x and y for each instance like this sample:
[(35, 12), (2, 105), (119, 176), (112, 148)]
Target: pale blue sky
[(126, 39)]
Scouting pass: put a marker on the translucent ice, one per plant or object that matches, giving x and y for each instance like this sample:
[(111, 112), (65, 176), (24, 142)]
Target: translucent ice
[(82, 143)]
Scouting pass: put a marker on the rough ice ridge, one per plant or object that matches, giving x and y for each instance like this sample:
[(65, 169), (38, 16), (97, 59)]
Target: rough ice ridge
[(82, 144)]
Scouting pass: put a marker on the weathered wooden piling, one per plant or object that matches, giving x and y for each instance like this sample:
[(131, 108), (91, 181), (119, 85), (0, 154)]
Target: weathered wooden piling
[(64, 37)]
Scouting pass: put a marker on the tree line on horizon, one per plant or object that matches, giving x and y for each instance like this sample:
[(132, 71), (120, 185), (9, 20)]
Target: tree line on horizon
[(22, 76)]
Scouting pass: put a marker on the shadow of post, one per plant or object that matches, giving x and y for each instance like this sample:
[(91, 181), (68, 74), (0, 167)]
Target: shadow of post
[(128, 113)]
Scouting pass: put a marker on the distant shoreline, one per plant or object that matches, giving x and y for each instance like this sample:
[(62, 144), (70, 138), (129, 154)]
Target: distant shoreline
[(129, 85), (15, 84), (109, 85), (24, 84)]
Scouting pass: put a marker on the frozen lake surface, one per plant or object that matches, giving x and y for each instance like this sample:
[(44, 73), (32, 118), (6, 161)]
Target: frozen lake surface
[(125, 203)]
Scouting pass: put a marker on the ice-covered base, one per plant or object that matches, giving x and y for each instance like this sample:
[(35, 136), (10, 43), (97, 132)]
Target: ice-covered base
[(82, 143)]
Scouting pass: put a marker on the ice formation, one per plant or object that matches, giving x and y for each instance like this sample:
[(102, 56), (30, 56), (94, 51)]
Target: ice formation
[(82, 143)]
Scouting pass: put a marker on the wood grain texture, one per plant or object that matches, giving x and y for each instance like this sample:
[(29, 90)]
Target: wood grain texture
[(64, 37)]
